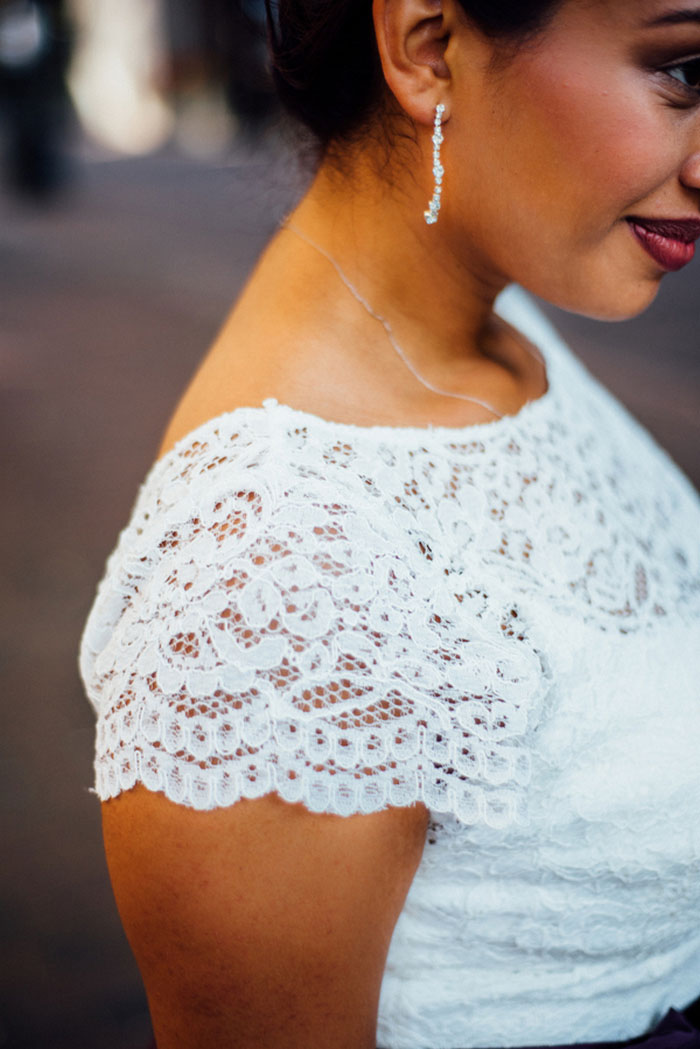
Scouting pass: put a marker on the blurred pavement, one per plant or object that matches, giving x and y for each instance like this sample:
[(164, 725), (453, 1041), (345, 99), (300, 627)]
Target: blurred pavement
[(108, 302)]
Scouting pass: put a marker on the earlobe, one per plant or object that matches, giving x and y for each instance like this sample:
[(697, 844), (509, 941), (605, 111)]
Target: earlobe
[(412, 39)]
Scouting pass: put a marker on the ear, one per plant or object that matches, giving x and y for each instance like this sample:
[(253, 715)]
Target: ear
[(412, 37)]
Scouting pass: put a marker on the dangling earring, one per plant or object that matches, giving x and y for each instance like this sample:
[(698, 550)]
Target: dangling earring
[(431, 214)]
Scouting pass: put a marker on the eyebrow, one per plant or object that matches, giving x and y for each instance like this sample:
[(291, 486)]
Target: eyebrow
[(688, 14)]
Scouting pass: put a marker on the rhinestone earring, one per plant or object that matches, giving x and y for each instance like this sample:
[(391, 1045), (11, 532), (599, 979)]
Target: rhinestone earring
[(431, 213)]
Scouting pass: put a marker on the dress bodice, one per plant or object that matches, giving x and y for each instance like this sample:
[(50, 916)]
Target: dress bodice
[(501, 621)]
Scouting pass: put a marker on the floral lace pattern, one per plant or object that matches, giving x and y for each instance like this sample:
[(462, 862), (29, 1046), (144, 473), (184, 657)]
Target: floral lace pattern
[(484, 620), (270, 637)]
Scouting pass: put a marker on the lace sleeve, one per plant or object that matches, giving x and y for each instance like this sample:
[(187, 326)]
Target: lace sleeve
[(258, 636)]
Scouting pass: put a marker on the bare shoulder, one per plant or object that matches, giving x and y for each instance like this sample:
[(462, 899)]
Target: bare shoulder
[(278, 341), (296, 335), (263, 917)]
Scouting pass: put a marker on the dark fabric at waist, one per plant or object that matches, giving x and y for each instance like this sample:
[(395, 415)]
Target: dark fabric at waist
[(677, 1030)]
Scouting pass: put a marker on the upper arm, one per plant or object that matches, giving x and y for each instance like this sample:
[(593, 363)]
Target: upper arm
[(260, 925), (257, 640)]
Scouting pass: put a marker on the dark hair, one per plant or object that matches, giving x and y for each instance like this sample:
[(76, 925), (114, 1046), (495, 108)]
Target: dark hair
[(325, 62)]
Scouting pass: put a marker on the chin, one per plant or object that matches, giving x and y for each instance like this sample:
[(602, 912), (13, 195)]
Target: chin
[(629, 306), (621, 303)]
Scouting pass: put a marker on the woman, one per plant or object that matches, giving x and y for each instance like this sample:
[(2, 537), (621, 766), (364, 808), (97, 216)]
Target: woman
[(396, 660)]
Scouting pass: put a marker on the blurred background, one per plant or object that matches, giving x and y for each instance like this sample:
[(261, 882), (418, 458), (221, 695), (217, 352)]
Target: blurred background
[(143, 165)]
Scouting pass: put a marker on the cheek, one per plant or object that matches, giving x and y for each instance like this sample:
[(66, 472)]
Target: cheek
[(561, 159), (593, 151)]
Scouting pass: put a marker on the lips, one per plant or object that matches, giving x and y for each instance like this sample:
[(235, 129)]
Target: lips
[(670, 242)]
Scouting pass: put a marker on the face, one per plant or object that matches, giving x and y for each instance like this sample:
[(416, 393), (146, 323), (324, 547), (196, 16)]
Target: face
[(591, 126)]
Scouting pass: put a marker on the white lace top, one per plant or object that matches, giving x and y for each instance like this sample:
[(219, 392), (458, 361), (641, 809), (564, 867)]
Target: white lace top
[(502, 621)]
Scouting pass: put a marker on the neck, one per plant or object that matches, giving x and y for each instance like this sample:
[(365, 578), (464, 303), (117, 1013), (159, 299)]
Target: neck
[(437, 296)]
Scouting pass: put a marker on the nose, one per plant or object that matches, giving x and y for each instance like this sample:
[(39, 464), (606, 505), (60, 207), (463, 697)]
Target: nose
[(690, 172)]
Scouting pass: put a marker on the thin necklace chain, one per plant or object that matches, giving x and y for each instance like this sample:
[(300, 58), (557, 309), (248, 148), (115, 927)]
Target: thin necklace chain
[(287, 224)]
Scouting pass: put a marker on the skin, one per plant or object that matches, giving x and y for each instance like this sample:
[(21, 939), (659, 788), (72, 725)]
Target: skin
[(260, 925), (576, 131), (284, 942)]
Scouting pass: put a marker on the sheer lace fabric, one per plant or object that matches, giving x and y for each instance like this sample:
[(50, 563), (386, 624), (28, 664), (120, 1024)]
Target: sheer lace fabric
[(500, 621)]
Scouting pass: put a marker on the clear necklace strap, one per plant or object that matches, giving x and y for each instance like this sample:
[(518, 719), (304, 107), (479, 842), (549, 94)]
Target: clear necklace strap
[(286, 224)]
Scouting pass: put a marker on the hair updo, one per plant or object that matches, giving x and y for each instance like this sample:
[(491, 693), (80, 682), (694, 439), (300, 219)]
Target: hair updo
[(325, 62)]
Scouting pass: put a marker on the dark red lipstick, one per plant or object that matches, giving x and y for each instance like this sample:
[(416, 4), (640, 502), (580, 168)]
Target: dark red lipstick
[(670, 242)]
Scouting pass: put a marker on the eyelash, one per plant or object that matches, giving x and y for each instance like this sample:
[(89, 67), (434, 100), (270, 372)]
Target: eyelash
[(688, 89)]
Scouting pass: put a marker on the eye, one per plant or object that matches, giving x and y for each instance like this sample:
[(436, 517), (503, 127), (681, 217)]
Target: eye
[(686, 73)]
